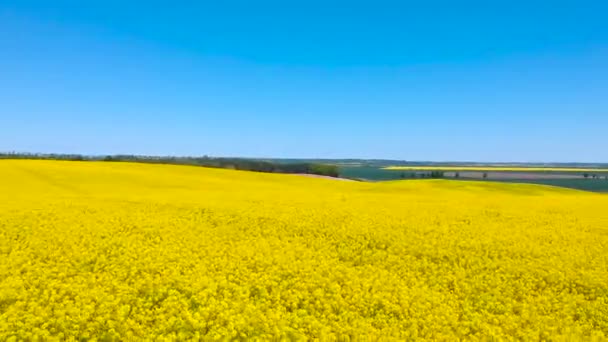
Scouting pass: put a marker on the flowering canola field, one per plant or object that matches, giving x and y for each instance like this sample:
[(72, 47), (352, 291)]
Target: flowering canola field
[(120, 251)]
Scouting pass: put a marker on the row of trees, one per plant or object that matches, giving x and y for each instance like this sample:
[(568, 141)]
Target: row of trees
[(432, 174), (440, 174), (594, 176), (226, 163)]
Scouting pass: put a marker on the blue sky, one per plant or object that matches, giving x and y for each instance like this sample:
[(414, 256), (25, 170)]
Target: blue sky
[(413, 80)]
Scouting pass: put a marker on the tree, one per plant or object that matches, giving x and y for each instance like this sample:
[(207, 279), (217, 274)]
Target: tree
[(586, 175), (324, 169), (436, 174), (485, 175), (457, 175)]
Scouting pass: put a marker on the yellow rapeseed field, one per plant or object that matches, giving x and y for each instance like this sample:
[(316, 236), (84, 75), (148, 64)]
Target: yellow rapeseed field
[(120, 251), (495, 168)]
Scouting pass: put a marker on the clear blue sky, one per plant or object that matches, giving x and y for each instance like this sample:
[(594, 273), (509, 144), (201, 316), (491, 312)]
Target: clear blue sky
[(413, 80)]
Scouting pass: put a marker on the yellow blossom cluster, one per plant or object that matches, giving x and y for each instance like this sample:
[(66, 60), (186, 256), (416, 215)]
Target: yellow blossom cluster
[(124, 252)]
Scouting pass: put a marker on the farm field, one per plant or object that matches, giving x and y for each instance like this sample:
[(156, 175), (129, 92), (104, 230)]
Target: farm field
[(567, 179), (495, 168), (125, 251)]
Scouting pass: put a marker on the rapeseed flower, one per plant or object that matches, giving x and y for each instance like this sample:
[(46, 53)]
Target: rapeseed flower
[(120, 251)]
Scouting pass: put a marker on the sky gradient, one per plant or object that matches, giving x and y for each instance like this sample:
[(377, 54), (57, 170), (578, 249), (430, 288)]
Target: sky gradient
[(519, 81)]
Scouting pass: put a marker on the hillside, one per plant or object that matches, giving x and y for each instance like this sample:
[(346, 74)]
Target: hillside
[(128, 251)]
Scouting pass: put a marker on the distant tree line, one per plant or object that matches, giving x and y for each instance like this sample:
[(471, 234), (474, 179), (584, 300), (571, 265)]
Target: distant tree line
[(594, 176), (432, 174), (225, 163)]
